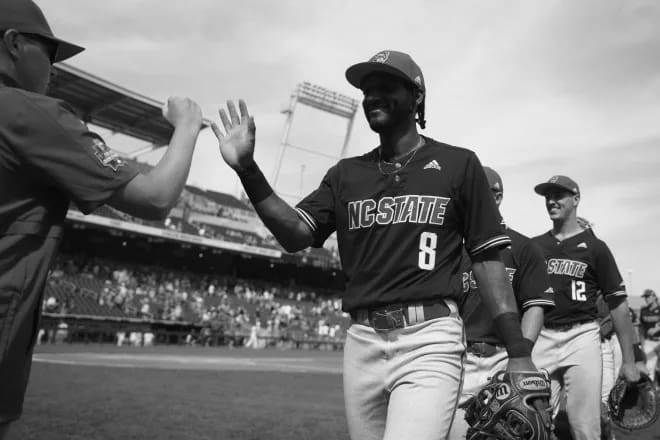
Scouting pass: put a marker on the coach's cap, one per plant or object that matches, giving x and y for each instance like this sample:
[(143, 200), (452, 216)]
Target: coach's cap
[(26, 17), (558, 182), (387, 61), (648, 292), (494, 179)]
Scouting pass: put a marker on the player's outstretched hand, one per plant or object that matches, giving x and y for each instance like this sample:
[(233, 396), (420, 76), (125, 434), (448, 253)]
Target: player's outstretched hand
[(630, 372), (180, 111), (237, 141)]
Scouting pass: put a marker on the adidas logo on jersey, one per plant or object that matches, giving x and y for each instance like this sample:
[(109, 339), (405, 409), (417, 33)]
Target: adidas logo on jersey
[(582, 245), (433, 165)]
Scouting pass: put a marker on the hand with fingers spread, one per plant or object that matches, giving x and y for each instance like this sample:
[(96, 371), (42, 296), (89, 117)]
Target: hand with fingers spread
[(237, 143), (181, 111)]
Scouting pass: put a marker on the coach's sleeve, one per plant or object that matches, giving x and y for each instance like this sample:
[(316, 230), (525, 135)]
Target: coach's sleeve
[(53, 140), (608, 276), (483, 227), (532, 280), (317, 210)]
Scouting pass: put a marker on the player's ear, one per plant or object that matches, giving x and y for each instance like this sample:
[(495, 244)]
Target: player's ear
[(576, 198), (10, 43)]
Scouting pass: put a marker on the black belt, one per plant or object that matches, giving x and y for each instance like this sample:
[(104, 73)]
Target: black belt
[(484, 349), (396, 316), (568, 326)]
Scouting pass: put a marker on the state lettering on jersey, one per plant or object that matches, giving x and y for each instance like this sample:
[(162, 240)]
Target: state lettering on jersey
[(562, 266), (469, 283), (393, 210)]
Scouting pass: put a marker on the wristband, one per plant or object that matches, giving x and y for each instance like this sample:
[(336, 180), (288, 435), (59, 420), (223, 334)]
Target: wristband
[(508, 326), (519, 349), (256, 186)]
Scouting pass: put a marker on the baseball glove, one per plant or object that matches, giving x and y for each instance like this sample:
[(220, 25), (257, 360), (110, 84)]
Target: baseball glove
[(634, 405), (513, 406)]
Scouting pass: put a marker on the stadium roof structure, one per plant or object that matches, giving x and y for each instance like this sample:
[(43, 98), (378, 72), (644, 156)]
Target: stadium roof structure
[(108, 105), (227, 200)]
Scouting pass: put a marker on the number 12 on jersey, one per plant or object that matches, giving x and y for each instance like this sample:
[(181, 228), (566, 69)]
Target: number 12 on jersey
[(428, 241), (577, 291)]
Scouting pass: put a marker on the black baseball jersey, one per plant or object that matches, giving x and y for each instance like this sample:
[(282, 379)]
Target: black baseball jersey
[(400, 234), (649, 317), (579, 267), (47, 158), (527, 273)]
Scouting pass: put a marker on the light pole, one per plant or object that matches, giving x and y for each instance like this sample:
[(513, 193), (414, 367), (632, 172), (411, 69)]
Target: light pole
[(322, 99)]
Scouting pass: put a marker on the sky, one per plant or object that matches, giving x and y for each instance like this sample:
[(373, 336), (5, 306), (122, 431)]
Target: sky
[(534, 88)]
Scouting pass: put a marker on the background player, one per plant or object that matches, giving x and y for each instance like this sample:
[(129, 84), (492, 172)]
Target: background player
[(580, 265), (401, 213), (486, 355), (47, 159), (649, 318)]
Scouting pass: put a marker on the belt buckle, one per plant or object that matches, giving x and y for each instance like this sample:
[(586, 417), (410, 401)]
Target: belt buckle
[(388, 319)]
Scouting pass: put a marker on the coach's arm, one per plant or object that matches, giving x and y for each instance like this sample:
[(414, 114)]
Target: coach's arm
[(153, 195)]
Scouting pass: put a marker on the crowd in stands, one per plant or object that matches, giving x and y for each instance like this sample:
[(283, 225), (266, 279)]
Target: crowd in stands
[(222, 306), (219, 305)]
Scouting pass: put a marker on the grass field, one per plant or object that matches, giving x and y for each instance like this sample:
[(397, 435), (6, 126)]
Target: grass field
[(188, 393)]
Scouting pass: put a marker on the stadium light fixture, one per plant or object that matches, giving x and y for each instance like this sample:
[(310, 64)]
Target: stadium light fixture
[(322, 99)]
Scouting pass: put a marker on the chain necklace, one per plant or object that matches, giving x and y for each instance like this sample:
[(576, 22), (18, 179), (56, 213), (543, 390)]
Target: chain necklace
[(412, 153)]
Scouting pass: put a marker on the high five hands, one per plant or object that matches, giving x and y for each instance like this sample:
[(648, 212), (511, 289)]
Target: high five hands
[(237, 141)]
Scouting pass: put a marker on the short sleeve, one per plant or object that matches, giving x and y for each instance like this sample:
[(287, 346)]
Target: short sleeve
[(608, 276), (49, 137), (531, 279), (483, 226), (317, 210)]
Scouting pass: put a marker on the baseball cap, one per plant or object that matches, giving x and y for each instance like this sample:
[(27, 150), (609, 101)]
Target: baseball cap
[(494, 179), (648, 292), (387, 61), (557, 182), (26, 17)]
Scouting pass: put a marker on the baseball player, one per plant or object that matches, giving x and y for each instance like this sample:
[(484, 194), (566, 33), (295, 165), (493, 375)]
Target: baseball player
[(568, 347), (48, 158), (649, 318), (401, 213), (486, 355)]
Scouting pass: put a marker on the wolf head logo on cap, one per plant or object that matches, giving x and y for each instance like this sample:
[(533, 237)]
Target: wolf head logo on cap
[(380, 57)]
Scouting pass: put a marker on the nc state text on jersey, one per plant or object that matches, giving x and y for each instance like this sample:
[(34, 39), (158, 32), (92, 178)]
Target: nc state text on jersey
[(561, 266), (400, 209)]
